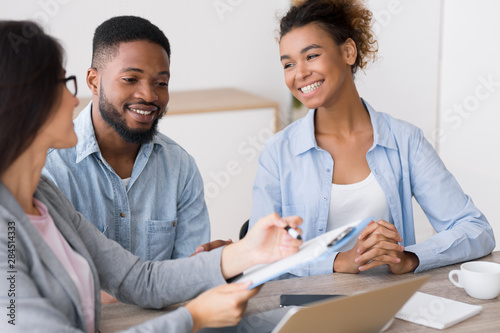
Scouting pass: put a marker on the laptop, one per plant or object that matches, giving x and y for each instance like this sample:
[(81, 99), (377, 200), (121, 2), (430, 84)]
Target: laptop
[(370, 311)]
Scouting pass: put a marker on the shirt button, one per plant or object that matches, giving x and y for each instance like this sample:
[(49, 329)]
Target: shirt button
[(327, 170), (123, 214), (174, 224), (320, 229)]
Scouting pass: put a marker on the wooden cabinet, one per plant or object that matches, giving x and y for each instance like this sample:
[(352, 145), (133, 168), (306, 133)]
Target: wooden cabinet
[(224, 130)]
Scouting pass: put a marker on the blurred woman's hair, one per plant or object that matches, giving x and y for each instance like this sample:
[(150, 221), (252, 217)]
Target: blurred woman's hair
[(31, 66)]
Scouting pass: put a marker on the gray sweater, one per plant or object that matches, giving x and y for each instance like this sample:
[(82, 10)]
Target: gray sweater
[(37, 294)]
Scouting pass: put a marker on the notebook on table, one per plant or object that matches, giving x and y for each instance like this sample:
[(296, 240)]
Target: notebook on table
[(361, 312), (435, 311)]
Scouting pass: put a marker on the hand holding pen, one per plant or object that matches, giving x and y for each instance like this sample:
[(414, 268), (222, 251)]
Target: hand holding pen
[(292, 232), (269, 240)]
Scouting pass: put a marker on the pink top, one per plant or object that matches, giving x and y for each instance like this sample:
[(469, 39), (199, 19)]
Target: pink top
[(76, 266)]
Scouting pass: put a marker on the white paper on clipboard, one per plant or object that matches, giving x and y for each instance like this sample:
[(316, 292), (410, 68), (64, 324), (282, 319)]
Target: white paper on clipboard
[(311, 251)]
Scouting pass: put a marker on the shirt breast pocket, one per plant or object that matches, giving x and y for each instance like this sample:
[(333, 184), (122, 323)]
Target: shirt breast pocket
[(161, 239)]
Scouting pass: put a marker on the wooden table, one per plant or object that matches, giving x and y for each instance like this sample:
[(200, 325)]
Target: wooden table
[(119, 316)]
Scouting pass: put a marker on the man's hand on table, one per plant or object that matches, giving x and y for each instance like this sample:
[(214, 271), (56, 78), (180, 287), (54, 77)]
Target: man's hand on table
[(107, 298), (211, 245)]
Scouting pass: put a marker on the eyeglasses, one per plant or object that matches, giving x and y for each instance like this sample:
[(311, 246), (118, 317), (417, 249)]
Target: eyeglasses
[(70, 83)]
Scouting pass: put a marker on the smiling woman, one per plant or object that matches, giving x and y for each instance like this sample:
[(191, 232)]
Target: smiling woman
[(351, 20), (344, 161), (310, 49)]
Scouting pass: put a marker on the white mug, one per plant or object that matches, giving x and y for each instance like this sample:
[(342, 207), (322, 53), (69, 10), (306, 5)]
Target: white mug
[(480, 279)]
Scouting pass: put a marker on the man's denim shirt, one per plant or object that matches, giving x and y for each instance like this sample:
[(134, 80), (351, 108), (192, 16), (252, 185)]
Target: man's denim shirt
[(160, 215), (295, 178)]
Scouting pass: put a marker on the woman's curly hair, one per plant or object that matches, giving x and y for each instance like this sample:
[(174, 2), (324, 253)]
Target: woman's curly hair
[(342, 19)]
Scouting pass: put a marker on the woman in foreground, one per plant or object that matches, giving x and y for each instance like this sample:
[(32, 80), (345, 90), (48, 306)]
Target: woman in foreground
[(56, 261)]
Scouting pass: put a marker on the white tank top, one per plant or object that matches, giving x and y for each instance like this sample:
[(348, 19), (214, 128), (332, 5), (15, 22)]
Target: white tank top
[(355, 202)]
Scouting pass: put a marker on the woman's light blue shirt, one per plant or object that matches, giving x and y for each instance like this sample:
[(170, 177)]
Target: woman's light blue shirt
[(295, 178)]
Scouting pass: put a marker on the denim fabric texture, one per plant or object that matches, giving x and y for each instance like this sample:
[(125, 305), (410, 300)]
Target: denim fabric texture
[(294, 177), (160, 215)]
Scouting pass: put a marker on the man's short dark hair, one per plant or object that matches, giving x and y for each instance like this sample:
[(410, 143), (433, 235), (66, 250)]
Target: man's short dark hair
[(122, 29)]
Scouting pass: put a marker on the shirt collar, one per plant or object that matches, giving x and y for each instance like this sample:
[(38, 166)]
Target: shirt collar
[(381, 132), (87, 142), (304, 138)]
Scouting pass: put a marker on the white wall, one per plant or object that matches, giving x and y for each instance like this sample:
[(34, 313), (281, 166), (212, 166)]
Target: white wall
[(404, 80), (215, 43), (470, 101), (435, 57), (439, 69), (421, 73)]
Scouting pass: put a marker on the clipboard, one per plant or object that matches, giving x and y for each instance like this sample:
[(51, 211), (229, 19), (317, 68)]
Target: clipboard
[(311, 251)]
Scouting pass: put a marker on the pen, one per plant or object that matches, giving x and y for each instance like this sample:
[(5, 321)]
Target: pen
[(292, 232)]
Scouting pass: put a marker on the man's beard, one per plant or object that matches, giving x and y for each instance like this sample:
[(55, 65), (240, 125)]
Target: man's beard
[(117, 121)]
